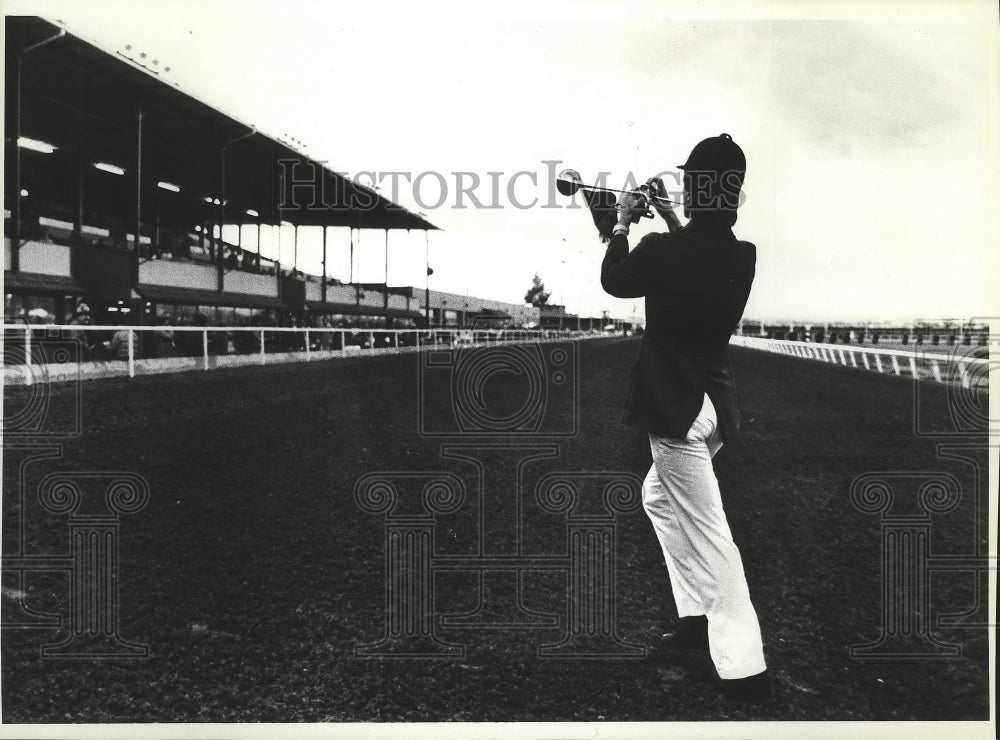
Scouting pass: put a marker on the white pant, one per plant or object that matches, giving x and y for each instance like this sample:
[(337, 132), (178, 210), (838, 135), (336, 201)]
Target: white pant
[(681, 497)]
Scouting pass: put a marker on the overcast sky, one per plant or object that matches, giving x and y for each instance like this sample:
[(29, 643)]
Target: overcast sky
[(870, 131)]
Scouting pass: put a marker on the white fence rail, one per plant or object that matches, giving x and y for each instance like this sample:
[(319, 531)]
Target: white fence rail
[(48, 353), (964, 365)]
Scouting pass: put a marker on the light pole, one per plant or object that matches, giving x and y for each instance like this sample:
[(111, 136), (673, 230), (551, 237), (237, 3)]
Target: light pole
[(138, 197)]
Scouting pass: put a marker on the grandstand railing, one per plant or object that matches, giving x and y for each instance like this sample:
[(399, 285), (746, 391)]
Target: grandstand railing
[(41, 353), (964, 365)]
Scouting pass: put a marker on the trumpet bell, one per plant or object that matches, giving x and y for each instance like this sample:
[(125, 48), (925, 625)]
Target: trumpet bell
[(568, 182)]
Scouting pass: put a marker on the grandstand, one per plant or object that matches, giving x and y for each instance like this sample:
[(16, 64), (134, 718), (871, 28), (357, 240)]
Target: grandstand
[(100, 149), (942, 333)]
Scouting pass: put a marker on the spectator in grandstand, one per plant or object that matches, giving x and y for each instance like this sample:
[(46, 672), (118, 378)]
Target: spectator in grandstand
[(247, 262), (696, 281), (29, 226), (39, 315), (81, 317), (181, 246), (116, 348), (117, 237), (163, 340)]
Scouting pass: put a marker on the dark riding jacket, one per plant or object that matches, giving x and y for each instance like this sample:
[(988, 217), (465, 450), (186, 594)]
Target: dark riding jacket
[(696, 283)]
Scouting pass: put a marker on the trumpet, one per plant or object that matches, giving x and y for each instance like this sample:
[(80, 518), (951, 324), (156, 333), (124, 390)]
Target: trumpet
[(569, 183)]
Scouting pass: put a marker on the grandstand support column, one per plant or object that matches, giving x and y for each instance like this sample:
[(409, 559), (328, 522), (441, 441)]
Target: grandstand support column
[(81, 167), (427, 286), (138, 196), (357, 285), (350, 278), (155, 241), (258, 242), (295, 247), (277, 257), (12, 155), (220, 263), (322, 287), (385, 287), (14, 58), (222, 191)]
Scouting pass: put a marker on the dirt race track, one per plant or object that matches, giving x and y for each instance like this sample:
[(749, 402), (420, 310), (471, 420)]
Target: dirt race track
[(252, 574)]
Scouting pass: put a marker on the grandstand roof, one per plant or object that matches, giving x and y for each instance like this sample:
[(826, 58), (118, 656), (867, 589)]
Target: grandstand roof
[(84, 101)]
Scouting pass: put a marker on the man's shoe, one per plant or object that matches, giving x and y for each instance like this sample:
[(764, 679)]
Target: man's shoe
[(757, 689), (691, 634)]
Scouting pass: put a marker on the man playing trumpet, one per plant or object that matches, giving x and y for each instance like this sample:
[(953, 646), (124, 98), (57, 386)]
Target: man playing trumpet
[(696, 280)]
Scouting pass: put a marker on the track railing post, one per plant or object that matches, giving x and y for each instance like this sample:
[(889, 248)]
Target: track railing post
[(27, 355), (131, 353)]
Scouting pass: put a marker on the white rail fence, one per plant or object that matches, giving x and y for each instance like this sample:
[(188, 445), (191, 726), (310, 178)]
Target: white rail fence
[(967, 366), (51, 353), (35, 353)]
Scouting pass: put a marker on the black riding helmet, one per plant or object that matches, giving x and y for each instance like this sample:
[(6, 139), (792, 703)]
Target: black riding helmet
[(714, 172)]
